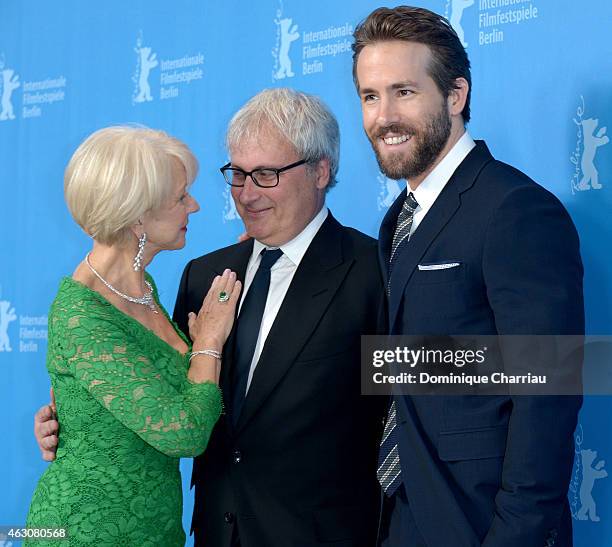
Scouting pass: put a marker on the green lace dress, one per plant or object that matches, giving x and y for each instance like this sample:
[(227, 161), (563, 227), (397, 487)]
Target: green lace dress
[(127, 413)]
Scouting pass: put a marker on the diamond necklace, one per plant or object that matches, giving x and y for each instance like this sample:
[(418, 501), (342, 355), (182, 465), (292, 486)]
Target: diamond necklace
[(144, 300)]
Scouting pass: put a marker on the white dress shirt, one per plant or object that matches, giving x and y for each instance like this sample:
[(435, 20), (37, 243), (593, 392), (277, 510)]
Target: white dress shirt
[(281, 274), (428, 191)]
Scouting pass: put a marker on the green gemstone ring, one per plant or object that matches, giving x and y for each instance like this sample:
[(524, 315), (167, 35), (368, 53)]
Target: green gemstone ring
[(223, 297)]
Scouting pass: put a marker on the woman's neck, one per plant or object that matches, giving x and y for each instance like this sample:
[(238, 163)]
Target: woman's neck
[(115, 264)]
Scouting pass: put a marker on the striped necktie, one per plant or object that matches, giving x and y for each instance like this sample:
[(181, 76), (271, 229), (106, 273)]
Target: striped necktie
[(403, 226), (389, 471)]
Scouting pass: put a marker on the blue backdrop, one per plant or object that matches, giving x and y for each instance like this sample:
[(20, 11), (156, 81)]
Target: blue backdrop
[(542, 81)]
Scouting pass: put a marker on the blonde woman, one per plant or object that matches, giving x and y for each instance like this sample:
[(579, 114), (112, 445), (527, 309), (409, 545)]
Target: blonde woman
[(133, 395)]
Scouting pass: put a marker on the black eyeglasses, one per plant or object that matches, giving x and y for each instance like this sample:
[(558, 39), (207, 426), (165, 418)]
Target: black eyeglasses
[(264, 177)]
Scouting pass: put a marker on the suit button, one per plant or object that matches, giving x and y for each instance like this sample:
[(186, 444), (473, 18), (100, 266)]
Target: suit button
[(228, 517), (237, 456)]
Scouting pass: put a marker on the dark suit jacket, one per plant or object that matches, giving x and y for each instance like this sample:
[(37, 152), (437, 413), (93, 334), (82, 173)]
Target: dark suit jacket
[(487, 470), (300, 467)]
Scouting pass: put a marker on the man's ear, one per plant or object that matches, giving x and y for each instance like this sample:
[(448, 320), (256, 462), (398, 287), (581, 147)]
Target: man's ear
[(322, 173), (457, 97)]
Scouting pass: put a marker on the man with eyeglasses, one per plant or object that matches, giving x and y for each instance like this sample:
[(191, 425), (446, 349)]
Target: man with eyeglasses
[(292, 462)]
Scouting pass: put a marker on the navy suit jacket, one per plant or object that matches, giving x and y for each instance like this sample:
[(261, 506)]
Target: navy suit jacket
[(493, 470)]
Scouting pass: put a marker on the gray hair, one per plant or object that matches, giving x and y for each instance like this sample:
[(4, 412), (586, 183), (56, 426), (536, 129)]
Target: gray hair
[(119, 173), (302, 119)]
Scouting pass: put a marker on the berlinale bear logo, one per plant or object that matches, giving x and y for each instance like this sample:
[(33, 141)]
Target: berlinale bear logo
[(587, 470), (590, 473), (389, 190), (286, 34), (146, 60), (456, 8), (588, 141), (9, 82), (7, 315)]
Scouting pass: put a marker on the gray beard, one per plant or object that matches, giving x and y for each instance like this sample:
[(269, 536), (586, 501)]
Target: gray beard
[(428, 143)]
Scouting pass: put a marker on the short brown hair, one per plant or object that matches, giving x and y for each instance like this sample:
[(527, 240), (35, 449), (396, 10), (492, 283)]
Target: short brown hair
[(409, 24)]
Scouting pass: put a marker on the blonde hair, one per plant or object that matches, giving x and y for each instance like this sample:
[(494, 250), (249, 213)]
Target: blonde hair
[(119, 173)]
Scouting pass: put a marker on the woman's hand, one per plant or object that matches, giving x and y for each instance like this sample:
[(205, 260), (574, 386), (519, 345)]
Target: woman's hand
[(210, 328)]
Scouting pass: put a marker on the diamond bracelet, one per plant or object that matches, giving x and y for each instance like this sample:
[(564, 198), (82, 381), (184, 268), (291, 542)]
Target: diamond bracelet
[(212, 352)]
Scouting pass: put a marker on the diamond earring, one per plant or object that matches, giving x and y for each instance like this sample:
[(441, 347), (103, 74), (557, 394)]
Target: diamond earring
[(138, 258)]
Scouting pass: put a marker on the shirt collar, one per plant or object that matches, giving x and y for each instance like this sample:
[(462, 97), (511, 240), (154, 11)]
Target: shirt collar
[(295, 249), (427, 192)]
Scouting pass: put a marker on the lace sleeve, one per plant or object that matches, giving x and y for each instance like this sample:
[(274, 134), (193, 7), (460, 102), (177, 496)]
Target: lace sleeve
[(175, 419)]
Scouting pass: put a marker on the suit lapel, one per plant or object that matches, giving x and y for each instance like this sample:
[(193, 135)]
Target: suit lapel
[(385, 234), (404, 265), (314, 284), (236, 259), (443, 209)]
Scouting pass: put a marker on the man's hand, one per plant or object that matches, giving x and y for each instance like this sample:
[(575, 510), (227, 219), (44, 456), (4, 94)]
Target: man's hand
[(46, 428)]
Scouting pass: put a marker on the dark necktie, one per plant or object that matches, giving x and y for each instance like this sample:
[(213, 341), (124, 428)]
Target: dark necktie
[(247, 328), (389, 470), (403, 226)]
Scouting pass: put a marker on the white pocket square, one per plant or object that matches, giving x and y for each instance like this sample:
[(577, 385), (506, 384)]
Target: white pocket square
[(441, 266)]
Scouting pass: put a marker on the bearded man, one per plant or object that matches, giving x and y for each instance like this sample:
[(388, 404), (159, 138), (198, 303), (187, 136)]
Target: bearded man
[(471, 247)]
